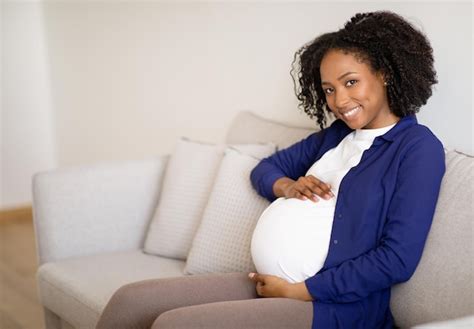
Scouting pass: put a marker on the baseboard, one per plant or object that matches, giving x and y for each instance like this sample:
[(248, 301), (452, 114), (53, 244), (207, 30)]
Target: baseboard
[(25, 212)]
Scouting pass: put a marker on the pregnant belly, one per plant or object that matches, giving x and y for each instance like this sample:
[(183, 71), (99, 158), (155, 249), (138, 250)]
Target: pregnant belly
[(291, 238)]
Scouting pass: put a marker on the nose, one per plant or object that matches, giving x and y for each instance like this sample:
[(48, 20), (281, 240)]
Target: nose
[(341, 99)]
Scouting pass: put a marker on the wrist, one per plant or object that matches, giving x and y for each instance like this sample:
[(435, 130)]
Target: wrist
[(280, 186), (298, 291)]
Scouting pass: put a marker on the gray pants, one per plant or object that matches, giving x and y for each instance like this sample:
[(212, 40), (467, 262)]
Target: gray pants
[(224, 300)]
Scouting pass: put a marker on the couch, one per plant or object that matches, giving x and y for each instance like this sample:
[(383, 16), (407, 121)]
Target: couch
[(91, 222)]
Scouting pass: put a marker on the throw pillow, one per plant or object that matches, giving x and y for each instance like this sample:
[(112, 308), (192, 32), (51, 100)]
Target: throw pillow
[(186, 187), (222, 243)]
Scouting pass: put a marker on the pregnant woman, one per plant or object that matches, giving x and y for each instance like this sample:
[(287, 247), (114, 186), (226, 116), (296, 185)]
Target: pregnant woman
[(352, 204), (355, 200), (292, 237)]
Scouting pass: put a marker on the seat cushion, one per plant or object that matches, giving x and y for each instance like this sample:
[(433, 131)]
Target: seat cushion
[(78, 289)]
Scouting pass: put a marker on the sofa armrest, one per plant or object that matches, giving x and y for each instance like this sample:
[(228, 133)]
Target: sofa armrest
[(92, 209)]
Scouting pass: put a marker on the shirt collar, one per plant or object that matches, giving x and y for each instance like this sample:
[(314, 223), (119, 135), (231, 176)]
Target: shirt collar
[(404, 123)]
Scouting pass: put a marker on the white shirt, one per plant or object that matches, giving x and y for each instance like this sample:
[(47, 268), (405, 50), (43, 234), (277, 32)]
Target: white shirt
[(291, 239)]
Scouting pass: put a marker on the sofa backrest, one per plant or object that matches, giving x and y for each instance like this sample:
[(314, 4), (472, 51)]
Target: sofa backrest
[(442, 286), (250, 128)]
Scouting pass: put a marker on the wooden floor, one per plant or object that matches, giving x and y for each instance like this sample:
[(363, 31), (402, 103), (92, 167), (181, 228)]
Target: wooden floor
[(19, 306)]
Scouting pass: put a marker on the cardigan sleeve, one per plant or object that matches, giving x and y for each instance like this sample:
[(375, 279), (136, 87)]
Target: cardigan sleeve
[(292, 162), (408, 222)]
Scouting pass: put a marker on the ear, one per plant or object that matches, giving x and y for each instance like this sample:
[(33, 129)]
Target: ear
[(384, 78)]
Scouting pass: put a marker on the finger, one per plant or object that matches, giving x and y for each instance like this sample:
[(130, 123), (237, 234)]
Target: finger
[(257, 277), (313, 179), (298, 189), (260, 289), (310, 194), (320, 187), (322, 193), (253, 276), (307, 192), (300, 196), (309, 187), (318, 182)]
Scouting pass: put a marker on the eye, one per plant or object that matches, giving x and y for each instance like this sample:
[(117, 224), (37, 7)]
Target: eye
[(351, 83), (328, 91)]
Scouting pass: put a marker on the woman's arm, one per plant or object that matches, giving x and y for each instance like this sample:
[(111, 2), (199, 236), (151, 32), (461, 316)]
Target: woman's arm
[(407, 225), (285, 165)]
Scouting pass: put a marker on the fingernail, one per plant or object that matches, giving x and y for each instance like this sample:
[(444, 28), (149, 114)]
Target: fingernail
[(251, 275), (304, 198)]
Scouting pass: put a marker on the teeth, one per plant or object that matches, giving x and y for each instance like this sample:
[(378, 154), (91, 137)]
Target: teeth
[(351, 113)]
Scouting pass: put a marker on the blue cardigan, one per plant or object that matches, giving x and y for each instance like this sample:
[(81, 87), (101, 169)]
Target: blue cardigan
[(383, 214)]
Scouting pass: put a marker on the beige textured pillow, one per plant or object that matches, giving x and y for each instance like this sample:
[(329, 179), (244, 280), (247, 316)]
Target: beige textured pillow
[(188, 181), (222, 243)]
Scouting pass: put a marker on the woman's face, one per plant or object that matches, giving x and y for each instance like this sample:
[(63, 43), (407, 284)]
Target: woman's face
[(354, 93)]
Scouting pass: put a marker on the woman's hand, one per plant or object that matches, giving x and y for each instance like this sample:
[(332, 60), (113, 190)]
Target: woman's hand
[(270, 285), (273, 286), (308, 187)]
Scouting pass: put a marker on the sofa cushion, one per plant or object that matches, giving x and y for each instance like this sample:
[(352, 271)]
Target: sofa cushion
[(187, 184), (441, 287), (250, 128), (222, 243), (185, 192), (78, 289)]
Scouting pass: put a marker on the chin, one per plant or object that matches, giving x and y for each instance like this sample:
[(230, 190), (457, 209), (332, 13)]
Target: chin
[(355, 125)]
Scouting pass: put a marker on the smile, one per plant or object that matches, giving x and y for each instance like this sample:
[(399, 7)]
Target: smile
[(351, 113)]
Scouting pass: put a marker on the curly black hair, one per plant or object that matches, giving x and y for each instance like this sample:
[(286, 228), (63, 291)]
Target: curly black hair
[(388, 44)]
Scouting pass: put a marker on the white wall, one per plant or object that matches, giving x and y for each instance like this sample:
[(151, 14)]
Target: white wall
[(27, 142), (128, 78)]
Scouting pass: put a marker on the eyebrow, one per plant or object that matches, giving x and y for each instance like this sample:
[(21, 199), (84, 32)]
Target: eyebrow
[(342, 76)]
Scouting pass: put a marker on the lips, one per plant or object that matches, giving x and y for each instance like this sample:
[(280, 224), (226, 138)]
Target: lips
[(351, 113)]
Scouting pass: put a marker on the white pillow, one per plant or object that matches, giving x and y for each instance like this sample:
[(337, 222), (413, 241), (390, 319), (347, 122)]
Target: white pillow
[(222, 243), (186, 187)]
